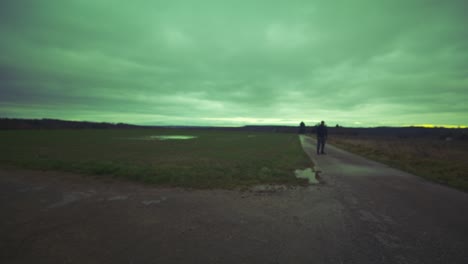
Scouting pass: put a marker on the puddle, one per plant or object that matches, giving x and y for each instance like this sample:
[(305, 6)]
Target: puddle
[(171, 137), (118, 198), (306, 174), (164, 137)]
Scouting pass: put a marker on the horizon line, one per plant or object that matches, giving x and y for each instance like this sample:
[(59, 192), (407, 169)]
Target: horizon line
[(245, 125)]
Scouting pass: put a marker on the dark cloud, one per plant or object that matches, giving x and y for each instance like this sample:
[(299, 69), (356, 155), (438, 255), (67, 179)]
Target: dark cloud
[(235, 62)]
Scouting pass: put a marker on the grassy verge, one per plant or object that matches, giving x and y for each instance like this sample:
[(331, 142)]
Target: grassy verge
[(214, 159), (438, 160)]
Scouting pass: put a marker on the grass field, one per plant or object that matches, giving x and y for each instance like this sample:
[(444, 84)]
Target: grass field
[(214, 159), (433, 158)]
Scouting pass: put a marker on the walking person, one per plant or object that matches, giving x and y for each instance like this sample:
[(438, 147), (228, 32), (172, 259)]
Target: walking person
[(322, 134)]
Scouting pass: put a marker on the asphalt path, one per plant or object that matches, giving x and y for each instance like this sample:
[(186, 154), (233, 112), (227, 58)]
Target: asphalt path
[(393, 216), (361, 212)]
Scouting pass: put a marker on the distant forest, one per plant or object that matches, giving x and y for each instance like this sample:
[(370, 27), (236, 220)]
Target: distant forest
[(13, 123)]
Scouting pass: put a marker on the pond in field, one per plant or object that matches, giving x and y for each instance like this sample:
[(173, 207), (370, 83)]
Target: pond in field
[(308, 174), (165, 137), (172, 137)]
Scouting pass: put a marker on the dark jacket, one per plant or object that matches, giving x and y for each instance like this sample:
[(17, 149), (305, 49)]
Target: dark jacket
[(322, 131)]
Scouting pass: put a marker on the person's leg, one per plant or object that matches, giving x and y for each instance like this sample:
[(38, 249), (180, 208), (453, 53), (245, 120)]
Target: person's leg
[(322, 147), (319, 140)]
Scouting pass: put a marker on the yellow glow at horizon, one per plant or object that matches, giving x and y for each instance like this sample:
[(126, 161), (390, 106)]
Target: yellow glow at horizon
[(444, 126)]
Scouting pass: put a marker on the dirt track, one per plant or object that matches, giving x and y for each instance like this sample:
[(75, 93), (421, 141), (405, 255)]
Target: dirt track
[(364, 212)]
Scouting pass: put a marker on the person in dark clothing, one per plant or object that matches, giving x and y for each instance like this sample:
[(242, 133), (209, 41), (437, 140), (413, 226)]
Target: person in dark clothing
[(322, 134)]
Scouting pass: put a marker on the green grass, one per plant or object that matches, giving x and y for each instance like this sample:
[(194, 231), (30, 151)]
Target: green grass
[(215, 159), (438, 160)]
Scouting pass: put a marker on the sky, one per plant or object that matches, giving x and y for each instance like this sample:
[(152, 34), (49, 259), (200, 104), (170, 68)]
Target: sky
[(233, 63)]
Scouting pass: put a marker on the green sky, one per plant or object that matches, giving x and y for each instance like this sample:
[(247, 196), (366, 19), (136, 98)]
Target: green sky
[(198, 62)]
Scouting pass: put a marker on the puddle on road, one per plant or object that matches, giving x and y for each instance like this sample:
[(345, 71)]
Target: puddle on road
[(306, 174)]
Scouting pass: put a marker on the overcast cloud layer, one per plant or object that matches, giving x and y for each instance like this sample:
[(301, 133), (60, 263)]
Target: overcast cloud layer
[(367, 63)]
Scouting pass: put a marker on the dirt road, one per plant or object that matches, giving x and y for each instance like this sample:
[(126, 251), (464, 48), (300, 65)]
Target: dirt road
[(363, 212)]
